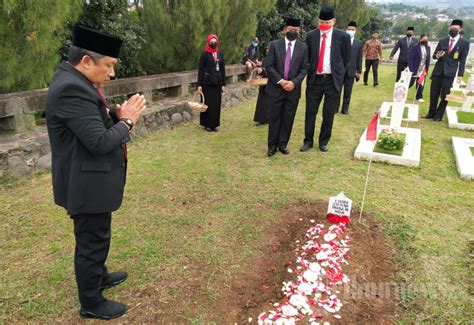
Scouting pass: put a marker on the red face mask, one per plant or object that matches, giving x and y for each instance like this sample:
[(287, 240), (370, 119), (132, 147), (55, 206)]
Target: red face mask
[(325, 27)]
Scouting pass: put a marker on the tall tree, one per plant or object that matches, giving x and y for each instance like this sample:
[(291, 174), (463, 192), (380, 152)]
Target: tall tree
[(30, 37)]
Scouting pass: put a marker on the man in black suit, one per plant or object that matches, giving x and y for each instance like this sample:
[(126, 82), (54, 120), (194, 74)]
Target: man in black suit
[(451, 53), (329, 51), (354, 69), (404, 44), (286, 66), (89, 160)]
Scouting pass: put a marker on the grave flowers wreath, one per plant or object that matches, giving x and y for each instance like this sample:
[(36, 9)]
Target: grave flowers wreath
[(391, 140)]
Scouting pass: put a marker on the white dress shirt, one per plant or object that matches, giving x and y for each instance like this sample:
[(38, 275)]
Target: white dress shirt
[(327, 52)]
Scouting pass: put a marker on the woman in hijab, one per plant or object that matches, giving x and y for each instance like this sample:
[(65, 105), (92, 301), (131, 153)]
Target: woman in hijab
[(211, 81)]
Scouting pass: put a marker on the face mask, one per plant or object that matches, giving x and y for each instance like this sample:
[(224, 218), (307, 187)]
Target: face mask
[(213, 45), (291, 35), (351, 33), (424, 43), (255, 44), (409, 35), (325, 28), (453, 33)]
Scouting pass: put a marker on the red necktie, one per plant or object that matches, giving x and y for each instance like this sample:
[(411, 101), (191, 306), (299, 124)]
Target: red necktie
[(451, 45), (321, 54), (101, 95)]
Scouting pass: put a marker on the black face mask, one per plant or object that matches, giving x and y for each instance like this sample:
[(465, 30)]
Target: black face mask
[(409, 35), (453, 33), (424, 43), (213, 45), (291, 35)]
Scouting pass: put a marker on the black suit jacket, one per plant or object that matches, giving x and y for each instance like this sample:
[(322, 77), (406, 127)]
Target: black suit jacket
[(340, 55), (207, 73), (402, 44), (274, 64), (448, 65), (88, 162), (355, 63)]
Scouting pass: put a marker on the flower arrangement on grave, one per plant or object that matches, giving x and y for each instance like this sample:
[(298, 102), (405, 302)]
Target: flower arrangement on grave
[(391, 140)]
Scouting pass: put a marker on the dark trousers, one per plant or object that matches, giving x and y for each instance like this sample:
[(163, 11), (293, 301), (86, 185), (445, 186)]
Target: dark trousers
[(92, 232), (400, 67), (440, 87), (346, 98), (323, 86), (281, 118), (375, 67), (419, 88)]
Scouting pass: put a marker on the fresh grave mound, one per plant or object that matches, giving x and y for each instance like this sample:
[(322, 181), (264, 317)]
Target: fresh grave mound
[(367, 296)]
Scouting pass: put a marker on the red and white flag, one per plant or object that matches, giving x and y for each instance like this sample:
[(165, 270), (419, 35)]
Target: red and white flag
[(371, 134), (421, 78)]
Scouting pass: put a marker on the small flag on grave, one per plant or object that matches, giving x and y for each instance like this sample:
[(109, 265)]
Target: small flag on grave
[(339, 209), (371, 134), (421, 78)]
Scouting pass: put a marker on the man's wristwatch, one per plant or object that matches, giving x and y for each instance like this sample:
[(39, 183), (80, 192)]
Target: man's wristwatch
[(127, 121)]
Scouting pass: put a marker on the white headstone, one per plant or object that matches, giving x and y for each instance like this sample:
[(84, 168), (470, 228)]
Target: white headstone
[(400, 94), (340, 205)]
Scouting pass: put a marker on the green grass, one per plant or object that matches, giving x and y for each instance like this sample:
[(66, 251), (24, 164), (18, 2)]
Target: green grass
[(405, 113), (398, 152), (465, 117), (197, 205), (472, 150)]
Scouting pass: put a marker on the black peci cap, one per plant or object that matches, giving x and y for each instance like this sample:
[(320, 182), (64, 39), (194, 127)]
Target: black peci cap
[(352, 23), (96, 41), (295, 22), (456, 22), (326, 13)]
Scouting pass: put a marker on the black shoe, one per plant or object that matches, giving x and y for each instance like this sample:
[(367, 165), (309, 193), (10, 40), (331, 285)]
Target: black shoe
[(427, 116), (271, 151), (113, 279), (284, 150), (376, 84), (324, 148), (208, 129), (345, 112), (437, 119), (305, 147), (366, 84), (105, 310)]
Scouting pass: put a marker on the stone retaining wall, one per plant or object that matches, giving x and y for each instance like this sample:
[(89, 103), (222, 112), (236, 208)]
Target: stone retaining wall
[(29, 152)]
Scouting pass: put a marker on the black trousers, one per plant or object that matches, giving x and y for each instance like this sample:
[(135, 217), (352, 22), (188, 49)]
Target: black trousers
[(323, 86), (440, 88), (211, 118), (375, 67), (400, 67), (420, 88), (346, 98), (281, 118), (92, 233)]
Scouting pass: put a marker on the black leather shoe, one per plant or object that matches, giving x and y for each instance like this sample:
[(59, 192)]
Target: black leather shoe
[(366, 84), (105, 310), (324, 148), (437, 119), (113, 279), (208, 129), (284, 150), (305, 147), (344, 112), (376, 84), (427, 116), (271, 151)]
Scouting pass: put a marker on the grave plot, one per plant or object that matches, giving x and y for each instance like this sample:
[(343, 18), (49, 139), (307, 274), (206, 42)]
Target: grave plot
[(410, 111), (464, 152), (462, 117)]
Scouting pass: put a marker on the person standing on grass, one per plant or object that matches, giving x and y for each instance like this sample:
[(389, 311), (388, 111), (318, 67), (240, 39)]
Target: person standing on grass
[(373, 57), (354, 69), (286, 64), (262, 108), (211, 81), (89, 160), (404, 44), (419, 64), (329, 51), (451, 53)]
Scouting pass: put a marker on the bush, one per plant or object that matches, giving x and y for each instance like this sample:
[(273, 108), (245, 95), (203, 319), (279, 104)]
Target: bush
[(391, 140)]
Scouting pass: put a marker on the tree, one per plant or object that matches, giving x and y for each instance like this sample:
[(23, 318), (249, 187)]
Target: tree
[(176, 31), (113, 17), (30, 37)]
